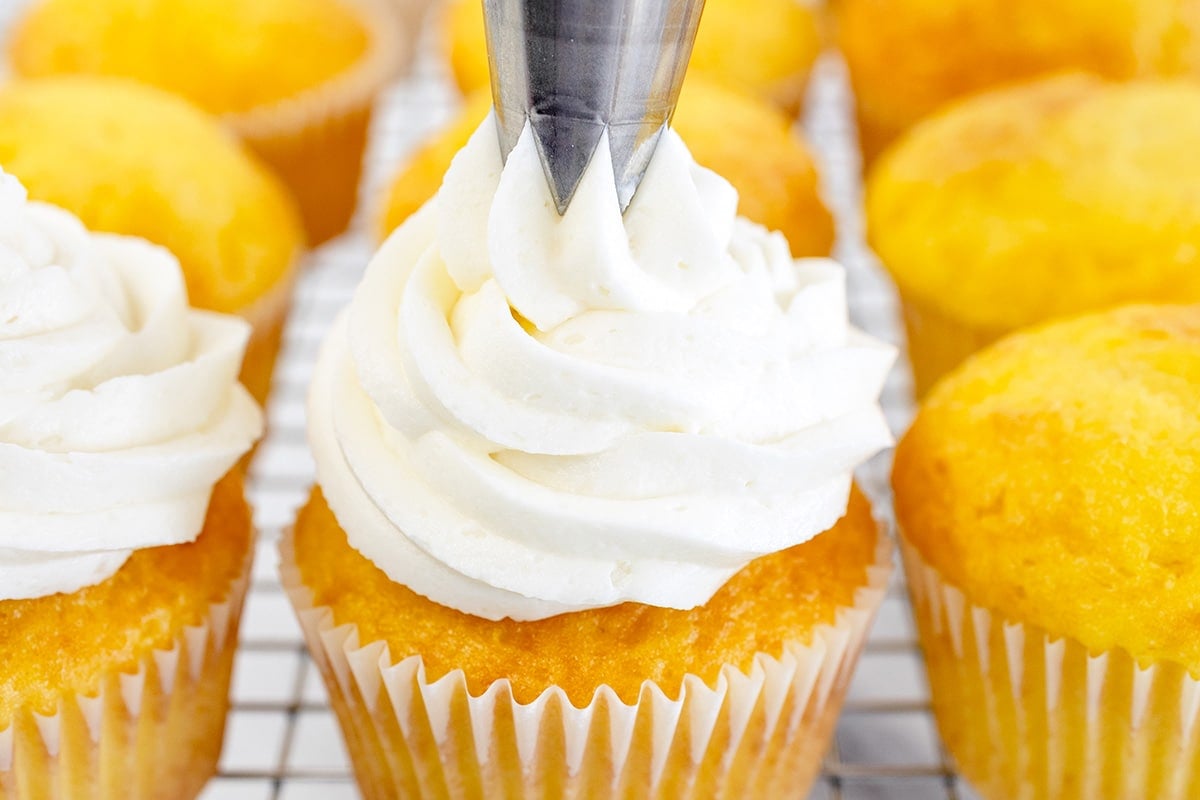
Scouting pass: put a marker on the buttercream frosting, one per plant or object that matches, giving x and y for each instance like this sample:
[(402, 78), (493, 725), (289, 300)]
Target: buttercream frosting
[(522, 414), (119, 405)]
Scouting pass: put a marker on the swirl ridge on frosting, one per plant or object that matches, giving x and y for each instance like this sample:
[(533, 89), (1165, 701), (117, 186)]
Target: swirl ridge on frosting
[(522, 414), (119, 405)]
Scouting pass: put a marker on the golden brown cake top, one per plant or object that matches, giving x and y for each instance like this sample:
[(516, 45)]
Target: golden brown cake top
[(908, 58), (129, 159), (778, 598), (1061, 196), (753, 148), (224, 55), (65, 643), (1055, 478), (763, 48)]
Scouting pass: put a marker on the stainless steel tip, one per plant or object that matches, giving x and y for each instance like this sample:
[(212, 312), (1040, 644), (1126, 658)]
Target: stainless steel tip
[(578, 68)]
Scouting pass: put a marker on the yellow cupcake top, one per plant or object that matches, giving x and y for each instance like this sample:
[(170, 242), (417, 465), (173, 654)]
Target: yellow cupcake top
[(129, 159), (1055, 478), (754, 148), (907, 58), (779, 598), (762, 47), (1061, 196), (226, 56)]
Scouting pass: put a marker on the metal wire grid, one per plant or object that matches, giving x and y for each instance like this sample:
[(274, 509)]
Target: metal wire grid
[(282, 741)]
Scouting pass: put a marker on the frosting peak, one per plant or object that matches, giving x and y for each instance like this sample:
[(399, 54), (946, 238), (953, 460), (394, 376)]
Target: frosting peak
[(523, 414), (552, 268), (119, 405)]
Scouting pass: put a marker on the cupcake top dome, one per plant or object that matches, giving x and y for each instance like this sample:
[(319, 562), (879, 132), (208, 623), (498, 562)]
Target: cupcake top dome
[(908, 58), (130, 159), (227, 56), (754, 149), (1054, 479), (1061, 196)]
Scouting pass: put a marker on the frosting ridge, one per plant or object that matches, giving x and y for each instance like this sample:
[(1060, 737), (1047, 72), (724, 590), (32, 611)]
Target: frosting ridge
[(522, 414)]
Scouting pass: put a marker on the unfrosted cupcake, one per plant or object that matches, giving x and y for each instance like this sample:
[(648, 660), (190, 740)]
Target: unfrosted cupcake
[(124, 536), (1048, 499), (296, 79), (754, 148), (1066, 195), (761, 48), (908, 58), (584, 523), (132, 160)]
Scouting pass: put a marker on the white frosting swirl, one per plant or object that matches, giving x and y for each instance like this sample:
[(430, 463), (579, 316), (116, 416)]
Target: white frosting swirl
[(119, 405), (521, 415)]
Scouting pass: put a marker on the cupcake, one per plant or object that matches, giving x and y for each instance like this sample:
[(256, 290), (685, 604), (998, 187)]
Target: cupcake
[(908, 58), (1039, 201), (584, 523), (125, 539), (761, 48), (296, 79), (132, 160), (1047, 497), (754, 149)]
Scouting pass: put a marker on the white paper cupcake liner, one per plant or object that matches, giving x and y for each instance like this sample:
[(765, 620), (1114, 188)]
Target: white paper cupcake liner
[(1030, 715), (154, 733), (755, 734), (267, 316), (315, 139)]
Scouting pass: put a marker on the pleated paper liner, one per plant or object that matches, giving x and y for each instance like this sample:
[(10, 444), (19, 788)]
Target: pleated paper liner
[(874, 134), (937, 344), (1029, 716), (154, 734), (755, 734), (267, 316), (315, 140)]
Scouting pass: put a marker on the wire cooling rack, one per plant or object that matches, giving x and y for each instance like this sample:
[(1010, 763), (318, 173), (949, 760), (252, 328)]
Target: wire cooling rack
[(282, 741)]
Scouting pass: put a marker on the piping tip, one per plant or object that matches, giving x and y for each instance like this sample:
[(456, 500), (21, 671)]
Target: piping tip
[(577, 69)]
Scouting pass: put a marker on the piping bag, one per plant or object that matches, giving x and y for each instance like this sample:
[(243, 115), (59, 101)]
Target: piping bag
[(579, 69)]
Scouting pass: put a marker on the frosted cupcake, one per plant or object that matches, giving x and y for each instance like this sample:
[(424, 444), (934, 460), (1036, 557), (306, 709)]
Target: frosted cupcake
[(585, 486), (124, 536), (1048, 499), (295, 79)]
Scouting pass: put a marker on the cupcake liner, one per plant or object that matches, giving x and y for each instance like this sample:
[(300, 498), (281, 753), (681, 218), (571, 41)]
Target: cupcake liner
[(874, 135), (150, 734), (267, 316), (315, 140), (1031, 716), (760, 733), (937, 344)]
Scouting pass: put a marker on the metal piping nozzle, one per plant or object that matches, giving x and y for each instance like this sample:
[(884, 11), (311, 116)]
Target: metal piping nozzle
[(578, 68)]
